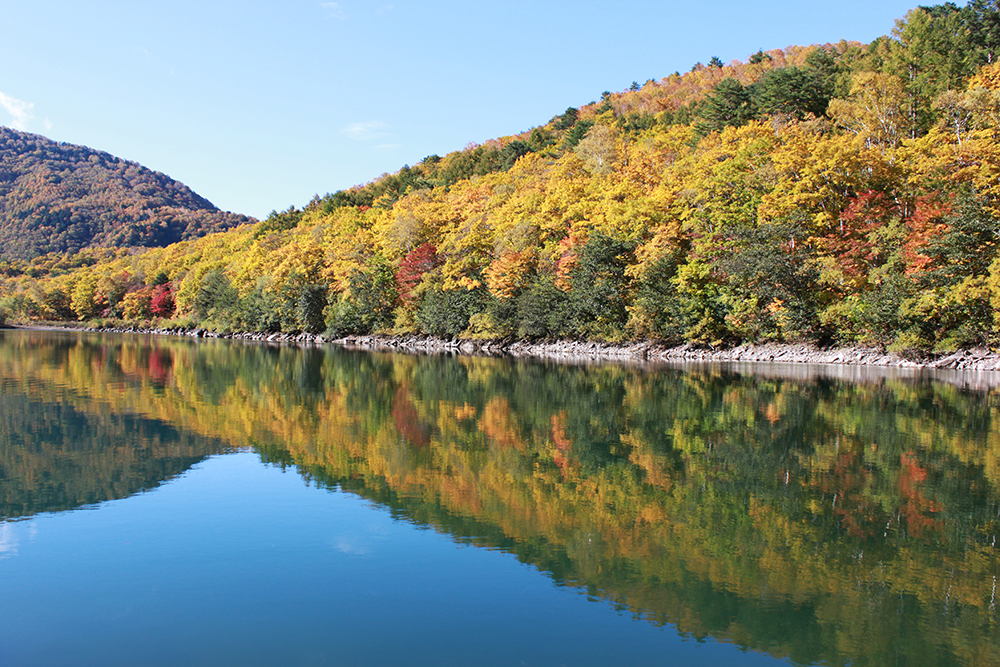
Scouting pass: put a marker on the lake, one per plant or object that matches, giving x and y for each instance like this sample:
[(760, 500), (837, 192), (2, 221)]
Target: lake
[(167, 501)]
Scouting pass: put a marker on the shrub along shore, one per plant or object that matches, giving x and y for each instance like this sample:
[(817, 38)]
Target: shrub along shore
[(976, 359)]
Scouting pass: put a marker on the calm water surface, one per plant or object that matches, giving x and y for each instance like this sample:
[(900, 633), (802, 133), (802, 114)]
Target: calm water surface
[(176, 502)]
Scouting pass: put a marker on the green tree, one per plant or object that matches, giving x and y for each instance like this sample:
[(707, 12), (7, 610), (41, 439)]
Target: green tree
[(216, 297), (967, 247), (729, 104), (541, 309), (261, 308), (56, 305), (986, 28), (310, 306), (447, 312), (278, 222), (510, 153), (793, 91), (934, 51), (599, 287), (769, 283), (368, 304), (539, 140), (951, 306), (825, 65), (579, 131), (658, 311), (567, 119)]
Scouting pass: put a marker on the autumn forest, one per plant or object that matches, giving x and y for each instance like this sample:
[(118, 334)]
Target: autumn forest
[(837, 194)]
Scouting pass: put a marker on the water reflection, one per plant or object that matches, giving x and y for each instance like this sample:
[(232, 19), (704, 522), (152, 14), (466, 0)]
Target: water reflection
[(56, 457), (813, 518)]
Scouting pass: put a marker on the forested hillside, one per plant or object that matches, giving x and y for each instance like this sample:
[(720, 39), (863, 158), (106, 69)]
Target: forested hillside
[(832, 193), (57, 197)]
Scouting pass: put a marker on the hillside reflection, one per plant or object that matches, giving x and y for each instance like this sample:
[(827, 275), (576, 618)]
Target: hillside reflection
[(818, 520)]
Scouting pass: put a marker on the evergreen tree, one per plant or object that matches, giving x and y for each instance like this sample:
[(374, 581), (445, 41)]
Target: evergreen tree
[(729, 104)]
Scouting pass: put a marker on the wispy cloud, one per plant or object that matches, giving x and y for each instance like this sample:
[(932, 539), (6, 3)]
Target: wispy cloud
[(20, 111), (352, 545), (384, 9), (367, 131), (334, 10)]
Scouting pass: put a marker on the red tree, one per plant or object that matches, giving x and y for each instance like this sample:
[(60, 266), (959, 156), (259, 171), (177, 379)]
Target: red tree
[(162, 303), (417, 262)]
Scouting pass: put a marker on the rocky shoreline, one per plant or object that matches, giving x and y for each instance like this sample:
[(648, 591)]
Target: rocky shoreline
[(977, 359)]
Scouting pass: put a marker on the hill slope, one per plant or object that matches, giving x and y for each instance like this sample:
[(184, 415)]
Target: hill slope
[(57, 197)]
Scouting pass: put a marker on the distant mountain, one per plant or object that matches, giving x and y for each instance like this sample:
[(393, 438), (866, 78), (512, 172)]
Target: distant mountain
[(57, 197)]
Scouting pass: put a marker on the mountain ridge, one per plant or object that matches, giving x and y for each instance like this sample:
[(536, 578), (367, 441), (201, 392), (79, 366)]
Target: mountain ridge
[(61, 197)]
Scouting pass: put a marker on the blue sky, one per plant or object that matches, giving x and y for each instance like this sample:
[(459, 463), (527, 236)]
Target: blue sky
[(260, 105)]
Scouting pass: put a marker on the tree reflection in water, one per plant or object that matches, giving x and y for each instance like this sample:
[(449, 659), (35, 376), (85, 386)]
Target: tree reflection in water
[(815, 518)]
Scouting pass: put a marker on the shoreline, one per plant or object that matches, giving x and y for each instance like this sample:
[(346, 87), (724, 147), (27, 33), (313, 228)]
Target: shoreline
[(975, 359)]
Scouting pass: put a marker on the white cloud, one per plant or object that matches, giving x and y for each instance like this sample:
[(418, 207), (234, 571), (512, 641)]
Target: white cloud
[(367, 131), (384, 9), (388, 147), (20, 111), (334, 10)]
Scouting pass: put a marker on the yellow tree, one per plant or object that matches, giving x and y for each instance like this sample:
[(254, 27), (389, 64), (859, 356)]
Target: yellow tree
[(874, 111)]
